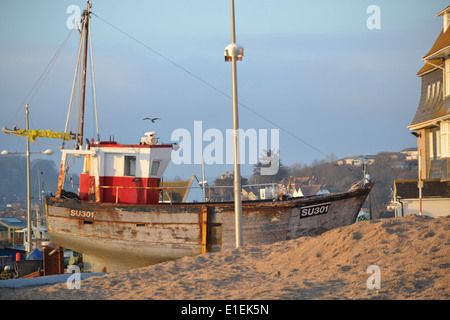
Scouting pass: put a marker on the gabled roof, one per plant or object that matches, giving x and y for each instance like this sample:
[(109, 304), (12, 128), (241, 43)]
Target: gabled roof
[(310, 190), (302, 180), (443, 11), (357, 157), (13, 223), (441, 46)]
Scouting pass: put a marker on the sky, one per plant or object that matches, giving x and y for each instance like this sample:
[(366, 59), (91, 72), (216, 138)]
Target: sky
[(314, 70)]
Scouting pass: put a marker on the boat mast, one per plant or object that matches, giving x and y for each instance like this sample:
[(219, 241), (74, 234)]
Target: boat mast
[(79, 135), (86, 16)]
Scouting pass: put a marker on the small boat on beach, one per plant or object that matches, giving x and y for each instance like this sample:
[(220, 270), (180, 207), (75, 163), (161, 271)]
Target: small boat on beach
[(117, 222)]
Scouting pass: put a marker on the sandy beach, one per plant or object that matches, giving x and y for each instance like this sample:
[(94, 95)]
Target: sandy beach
[(395, 259)]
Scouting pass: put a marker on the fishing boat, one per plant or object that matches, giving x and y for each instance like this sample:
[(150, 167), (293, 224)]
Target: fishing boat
[(117, 220)]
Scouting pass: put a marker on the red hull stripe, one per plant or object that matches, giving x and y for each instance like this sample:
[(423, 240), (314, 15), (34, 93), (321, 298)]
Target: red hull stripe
[(116, 145)]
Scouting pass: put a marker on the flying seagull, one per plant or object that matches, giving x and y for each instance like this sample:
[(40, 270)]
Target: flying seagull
[(152, 119)]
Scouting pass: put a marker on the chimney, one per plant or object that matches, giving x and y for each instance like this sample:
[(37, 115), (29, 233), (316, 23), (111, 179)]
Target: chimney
[(446, 20), (446, 17)]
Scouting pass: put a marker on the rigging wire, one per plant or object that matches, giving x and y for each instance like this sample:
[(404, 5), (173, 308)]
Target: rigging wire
[(41, 79), (38, 142), (211, 86), (69, 112), (94, 94)]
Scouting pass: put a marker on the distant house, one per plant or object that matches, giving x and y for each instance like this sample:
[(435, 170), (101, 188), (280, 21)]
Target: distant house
[(431, 126), (411, 154), (248, 195), (302, 186), (303, 191), (357, 160), (227, 175), (9, 228), (303, 181)]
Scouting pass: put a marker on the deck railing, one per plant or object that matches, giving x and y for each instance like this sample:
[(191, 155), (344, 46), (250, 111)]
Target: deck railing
[(161, 189), (211, 193)]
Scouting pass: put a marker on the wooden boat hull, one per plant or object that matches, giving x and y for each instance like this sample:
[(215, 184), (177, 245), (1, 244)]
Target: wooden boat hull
[(115, 237)]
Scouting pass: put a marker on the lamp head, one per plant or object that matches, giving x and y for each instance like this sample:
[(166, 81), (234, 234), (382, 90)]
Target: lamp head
[(234, 50), (48, 152)]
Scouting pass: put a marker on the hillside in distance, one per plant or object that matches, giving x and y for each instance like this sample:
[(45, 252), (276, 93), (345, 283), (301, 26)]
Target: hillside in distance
[(385, 169), (43, 176)]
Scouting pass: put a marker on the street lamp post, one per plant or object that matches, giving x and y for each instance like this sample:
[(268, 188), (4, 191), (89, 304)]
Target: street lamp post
[(234, 53), (28, 188), (420, 181), (28, 153)]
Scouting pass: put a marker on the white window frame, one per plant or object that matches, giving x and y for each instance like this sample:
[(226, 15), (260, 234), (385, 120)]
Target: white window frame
[(434, 143), (445, 139), (446, 77)]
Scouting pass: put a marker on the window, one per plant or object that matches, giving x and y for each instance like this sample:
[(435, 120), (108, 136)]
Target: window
[(434, 143), (130, 166), (447, 77), (434, 95), (155, 168), (445, 140), (428, 99)]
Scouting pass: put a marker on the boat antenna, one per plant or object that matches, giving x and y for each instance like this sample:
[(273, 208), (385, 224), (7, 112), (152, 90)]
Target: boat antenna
[(234, 53)]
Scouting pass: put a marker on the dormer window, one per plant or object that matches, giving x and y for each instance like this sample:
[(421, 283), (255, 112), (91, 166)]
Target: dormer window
[(433, 95)]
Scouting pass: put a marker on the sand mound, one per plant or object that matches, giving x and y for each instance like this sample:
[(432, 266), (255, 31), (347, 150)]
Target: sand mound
[(411, 254)]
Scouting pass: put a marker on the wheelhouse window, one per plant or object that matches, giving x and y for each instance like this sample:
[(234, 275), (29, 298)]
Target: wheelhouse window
[(130, 166), (155, 168)]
